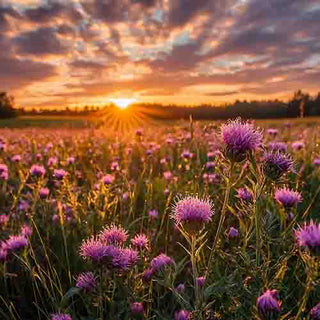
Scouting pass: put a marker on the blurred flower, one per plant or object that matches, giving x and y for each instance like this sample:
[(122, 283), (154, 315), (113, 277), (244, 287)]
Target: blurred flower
[(316, 162), (315, 312), (200, 281), (44, 192), (59, 173), (239, 138), (15, 243), (272, 132), (113, 235), (3, 254), (244, 194), (160, 262), (16, 158), (86, 281), (182, 315), (26, 230), (297, 145), (268, 305), (137, 308), (278, 146), (60, 316), (277, 164), (168, 175), (180, 288), (37, 170), (3, 219), (71, 160), (309, 236), (52, 161), (233, 232), (153, 213), (107, 179), (288, 198)]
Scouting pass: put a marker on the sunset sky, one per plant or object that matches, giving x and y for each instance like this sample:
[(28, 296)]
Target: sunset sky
[(73, 52)]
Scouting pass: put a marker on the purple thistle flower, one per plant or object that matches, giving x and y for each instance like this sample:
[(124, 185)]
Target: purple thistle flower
[(309, 236), (52, 161), (124, 259), (182, 315), (297, 145), (240, 138), (147, 275), (192, 211), (272, 132), (200, 281), (15, 243), (140, 241), (268, 305), (233, 232), (44, 192), (107, 179), (180, 288), (277, 164), (71, 160), (316, 162), (137, 308), (278, 146), (3, 219), (93, 249), (160, 262), (37, 170), (113, 235), (26, 230), (244, 194), (3, 168), (60, 316), (16, 158), (3, 254), (153, 213), (86, 281), (59, 173), (288, 198), (315, 312)]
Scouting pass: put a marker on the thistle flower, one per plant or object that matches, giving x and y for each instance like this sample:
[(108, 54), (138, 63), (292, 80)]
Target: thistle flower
[(240, 138), (60, 316), (93, 249), (277, 164), (71, 160), (315, 312), (15, 243), (297, 145), (200, 281), (124, 259), (268, 305), (278, 146), (192, 212), (52, 161), (288, 198), (182, 315), (86, 281), (147, 275), (37, 170), (316, 162), (59, 173), (3, 219), (272, 132), (107, 179), (3, 254), (140, 241), (180, 288), (153, 213), (233, 232), (44, 192), (244, 194), (26, 230), (137, 308), (113, 235), (309, 236), (16, 158), (160, 262)]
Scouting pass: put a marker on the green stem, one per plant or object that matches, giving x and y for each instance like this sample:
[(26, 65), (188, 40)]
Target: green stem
[(195, 276)]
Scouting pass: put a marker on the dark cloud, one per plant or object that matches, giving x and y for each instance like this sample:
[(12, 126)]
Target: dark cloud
[(146, 3), (221, 94), (41, 41), (6, 12), (87, 64)]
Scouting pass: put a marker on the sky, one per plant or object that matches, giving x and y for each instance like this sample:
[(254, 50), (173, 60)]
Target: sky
[(77, 52)]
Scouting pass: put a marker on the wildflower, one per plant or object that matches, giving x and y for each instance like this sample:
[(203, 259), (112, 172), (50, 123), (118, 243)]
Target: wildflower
[(107, 179), (71, 160), (316, 162), (52, 161), (124, 259), (278, 146), (113, 235), (315, 312), (180, 288), (272, 132), (3, 254), (182, 315), (44, 192), (160, 262), (60, 316), (86, 281), (137, 308), (288, 198), (233, 233), (3, 219), (309, 236), (244, 194), (268, 305), (37, 170), (23, 205), (26, 231), (168, 175), (140, 241), (16, 158), (192, 212), (297, 145), (200, 281), (93, 249), (15, 243), (153, 213), (59, 173), (147, 275), (277, 164), (240, 138)]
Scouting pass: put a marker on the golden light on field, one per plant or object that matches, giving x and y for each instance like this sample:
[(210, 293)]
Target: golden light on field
[(123, 103)]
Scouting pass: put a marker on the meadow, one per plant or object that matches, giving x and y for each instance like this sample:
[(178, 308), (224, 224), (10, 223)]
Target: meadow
[(180, 220)]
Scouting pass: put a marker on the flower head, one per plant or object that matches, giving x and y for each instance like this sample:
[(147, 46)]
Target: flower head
[(59, 173), (239, 138), (15, 243), (140, 241), (315, 312), (192, 212), (278, 146), (160, 262), (244, 194), (86, 281), (309, 236), (277, 164), (233, 232), (107, 179), (137, 308), (268, 305), (182, 315), (288, 198), (44, 192), (113, 235), (93, 249), (37, 170), (124, 259), (60, 316)]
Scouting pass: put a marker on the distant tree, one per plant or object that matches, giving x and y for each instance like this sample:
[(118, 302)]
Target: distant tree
[(7, 106)]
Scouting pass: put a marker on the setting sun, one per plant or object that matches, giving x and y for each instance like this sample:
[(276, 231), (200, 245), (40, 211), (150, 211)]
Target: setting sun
[(123, 103)]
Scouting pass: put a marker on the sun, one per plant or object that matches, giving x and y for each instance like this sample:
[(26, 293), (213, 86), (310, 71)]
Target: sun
[(123, 103)]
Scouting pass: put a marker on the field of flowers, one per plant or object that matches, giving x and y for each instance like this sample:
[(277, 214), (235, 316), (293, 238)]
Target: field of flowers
[(188, 221)]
